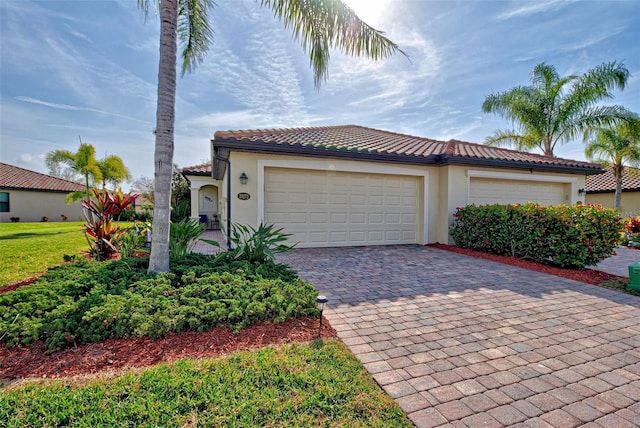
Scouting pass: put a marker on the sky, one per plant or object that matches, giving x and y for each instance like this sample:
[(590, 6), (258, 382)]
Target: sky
[(88, 69)]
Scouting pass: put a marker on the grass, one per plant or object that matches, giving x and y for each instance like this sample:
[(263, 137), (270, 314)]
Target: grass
[(318, 384), (620, 284), (27, 249)]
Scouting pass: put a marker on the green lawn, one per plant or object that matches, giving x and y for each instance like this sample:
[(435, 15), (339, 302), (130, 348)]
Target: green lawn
[(30, 248), (318, 384)]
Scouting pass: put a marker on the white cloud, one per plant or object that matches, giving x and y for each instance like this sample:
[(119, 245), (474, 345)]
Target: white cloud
[(75, 108), (524, 9)]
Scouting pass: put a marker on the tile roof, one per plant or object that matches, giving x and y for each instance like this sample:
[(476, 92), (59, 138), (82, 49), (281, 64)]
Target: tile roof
[(201, 169), (13, 177), (606, 182), (363, 140)]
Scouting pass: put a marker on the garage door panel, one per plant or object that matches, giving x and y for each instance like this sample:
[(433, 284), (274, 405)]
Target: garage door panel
[(329, 208), (485, 191)]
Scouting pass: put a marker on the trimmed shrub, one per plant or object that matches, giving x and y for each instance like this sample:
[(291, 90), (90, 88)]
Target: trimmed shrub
[(89, 301), (566, 236)]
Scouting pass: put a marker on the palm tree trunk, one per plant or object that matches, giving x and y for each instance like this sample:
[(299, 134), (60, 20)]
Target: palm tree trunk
[(86, 184), (165, 117), (617, 172)]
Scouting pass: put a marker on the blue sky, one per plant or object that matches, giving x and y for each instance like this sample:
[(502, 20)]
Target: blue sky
[(89, 68)]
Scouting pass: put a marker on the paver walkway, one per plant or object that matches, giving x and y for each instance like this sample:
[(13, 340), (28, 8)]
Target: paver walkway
[(459, 341), (619, 264)]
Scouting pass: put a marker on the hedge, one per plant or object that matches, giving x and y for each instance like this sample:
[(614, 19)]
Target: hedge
[(568, 236), (89, 301)]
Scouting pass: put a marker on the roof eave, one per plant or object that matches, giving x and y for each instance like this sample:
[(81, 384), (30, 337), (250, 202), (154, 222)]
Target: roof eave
[(30, 189), (435, 160), (496, 163), (297, 150)]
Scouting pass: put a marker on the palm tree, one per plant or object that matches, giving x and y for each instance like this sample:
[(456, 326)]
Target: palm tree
[(317, 25), (616, 147), (554, 109), (82, 162), (113, 171)]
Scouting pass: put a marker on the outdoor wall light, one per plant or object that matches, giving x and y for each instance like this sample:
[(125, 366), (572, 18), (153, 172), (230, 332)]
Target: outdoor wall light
[(320, 302), (243, 178), (581, 192)]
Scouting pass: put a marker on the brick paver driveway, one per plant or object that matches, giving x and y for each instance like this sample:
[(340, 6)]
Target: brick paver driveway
[(474, 343)]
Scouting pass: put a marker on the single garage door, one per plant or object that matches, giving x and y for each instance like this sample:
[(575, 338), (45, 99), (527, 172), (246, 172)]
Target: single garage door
[(495, 191), (329, 208)]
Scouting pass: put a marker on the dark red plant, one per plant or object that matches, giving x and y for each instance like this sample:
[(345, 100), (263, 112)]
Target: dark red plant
[(632, 226), (101, 214)]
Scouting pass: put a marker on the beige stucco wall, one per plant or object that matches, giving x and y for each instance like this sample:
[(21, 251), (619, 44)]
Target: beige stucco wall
[(32, 206), (629, 204), (448, 186)]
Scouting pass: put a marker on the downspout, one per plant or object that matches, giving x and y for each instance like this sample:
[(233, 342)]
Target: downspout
[(228, 162)]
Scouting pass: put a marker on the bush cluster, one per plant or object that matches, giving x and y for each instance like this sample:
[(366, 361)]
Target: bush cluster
[(88, 301), (566, 236)]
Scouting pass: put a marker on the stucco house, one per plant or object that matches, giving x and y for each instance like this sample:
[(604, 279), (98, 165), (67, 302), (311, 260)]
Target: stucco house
[(30, 196), (351, 185), (601, 189)]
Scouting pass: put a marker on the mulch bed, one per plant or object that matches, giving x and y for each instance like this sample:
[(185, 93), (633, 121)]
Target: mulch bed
[(590, 276), (118, 354)]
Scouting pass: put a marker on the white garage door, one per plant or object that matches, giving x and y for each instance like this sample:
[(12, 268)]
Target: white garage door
[(328, 208), (495, 191)]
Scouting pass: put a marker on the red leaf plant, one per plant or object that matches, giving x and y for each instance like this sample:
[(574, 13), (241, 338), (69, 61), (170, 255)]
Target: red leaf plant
[(102, 213)]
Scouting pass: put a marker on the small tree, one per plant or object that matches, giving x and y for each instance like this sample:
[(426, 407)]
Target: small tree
[(83, 162), (616, 147), (113, 171)]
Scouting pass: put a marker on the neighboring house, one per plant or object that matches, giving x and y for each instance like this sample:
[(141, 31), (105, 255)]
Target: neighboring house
[(351, 185), (30, 196), (601, 189)]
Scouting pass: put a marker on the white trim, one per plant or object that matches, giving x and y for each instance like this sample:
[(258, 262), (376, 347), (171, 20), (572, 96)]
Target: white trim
[(345, 166), (519, 176)]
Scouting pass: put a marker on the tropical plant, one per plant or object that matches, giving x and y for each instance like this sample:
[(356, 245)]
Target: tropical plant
[(82, 162), (113, 171), (183, 236), (554, 109), (255, 245), (318, 25), (130, 239), (616, 147), (101, 214)]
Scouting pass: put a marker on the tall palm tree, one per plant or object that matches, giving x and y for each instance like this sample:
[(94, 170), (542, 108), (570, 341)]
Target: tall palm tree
[(616, 147), (113, 171), (554, 109), (317, 24), (83, 162)]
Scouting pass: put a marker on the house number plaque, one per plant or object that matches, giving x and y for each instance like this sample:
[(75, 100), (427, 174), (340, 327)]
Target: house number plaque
[(243, 196)]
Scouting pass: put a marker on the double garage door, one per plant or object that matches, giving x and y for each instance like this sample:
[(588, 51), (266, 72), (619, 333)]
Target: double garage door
[(485, 191), (330, 208)]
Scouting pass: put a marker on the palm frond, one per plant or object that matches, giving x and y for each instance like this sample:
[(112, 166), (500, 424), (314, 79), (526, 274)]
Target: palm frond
[(194, 31), (594, 86), (321, 25), (511, 138), (591, 119)]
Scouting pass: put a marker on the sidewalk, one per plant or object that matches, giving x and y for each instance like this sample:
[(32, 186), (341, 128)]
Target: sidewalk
[(204, 248), (619, 264)]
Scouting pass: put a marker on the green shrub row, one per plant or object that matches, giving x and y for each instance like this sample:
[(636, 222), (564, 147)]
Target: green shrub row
[(88, 301), (572, 236)]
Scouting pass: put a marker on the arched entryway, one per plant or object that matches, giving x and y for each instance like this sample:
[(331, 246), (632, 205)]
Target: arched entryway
[(208, 206)]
